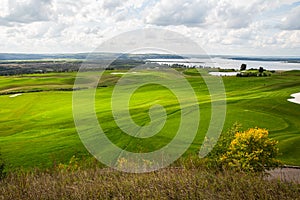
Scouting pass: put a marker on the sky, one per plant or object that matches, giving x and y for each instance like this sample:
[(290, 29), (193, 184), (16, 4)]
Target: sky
[(226, 27)]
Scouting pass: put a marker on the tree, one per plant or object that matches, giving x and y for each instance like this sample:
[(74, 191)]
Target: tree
[(261, 70), (243, 67)]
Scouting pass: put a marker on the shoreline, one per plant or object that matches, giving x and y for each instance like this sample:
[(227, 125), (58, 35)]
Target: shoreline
[(226, 63), (295, 99)]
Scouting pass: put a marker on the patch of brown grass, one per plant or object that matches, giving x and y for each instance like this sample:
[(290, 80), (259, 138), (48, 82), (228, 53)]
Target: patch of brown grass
[(172, 183)]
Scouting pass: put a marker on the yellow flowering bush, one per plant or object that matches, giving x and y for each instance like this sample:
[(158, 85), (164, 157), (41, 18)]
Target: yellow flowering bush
[(73, 165), (252, 151)]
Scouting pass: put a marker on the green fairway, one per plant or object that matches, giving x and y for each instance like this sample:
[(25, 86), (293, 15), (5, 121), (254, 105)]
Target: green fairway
[(37, 127)]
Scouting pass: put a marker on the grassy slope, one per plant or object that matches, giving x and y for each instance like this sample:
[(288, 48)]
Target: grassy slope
[(263, 102), (37, 129)]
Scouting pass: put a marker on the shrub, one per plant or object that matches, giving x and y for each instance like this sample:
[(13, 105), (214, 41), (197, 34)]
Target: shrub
[(251, 151), (221, 147), (223, 142), (72, 166)]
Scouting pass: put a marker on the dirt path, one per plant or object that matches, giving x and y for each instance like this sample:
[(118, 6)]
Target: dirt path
[(285, 174)]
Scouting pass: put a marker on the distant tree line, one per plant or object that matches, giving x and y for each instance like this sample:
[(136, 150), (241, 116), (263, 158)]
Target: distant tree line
[(32, 67), (253, 72)]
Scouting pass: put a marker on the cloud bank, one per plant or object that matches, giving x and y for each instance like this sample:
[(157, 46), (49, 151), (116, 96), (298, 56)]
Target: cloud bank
[(258, 27)]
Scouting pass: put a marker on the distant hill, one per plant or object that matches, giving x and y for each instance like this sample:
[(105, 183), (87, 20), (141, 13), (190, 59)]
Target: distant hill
[(101, 56), (276, 59), (16, 56), (82, 56)]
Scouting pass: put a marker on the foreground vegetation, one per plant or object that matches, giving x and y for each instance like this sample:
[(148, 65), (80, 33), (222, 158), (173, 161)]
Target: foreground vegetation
[(37, 128), (171, 183)]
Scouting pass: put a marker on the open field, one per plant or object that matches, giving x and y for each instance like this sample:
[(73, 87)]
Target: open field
[(37, 128)]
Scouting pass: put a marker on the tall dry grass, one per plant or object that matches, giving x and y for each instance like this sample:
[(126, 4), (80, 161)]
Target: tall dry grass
[(172, 183)]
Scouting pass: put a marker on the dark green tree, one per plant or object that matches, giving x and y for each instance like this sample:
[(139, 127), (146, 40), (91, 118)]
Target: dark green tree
[(261, 70), (243, 67)]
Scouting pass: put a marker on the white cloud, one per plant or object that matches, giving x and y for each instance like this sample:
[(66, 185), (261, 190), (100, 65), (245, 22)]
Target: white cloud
[(222, 13), (289, 39), (232, 15), (4, 8), (169, 12), (219, 26), (20, 11), (291, 21)]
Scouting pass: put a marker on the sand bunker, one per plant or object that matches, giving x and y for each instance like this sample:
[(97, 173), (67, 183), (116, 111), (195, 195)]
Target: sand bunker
[(14, 95), (117, 73), (296, 98), (123, 73), (223, 73)]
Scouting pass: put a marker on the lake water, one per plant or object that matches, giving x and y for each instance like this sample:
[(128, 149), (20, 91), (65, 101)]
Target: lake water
[(224, 63)]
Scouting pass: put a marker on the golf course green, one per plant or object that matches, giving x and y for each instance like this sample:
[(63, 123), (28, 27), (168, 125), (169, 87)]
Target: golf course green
[(37, 127)]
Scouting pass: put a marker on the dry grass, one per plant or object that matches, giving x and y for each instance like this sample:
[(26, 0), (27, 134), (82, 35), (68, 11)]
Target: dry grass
[(174, 183)]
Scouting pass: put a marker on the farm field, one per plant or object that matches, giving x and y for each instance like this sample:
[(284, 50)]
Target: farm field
[(37, 127)]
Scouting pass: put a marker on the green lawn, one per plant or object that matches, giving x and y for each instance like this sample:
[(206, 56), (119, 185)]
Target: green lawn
[(37, 128)]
